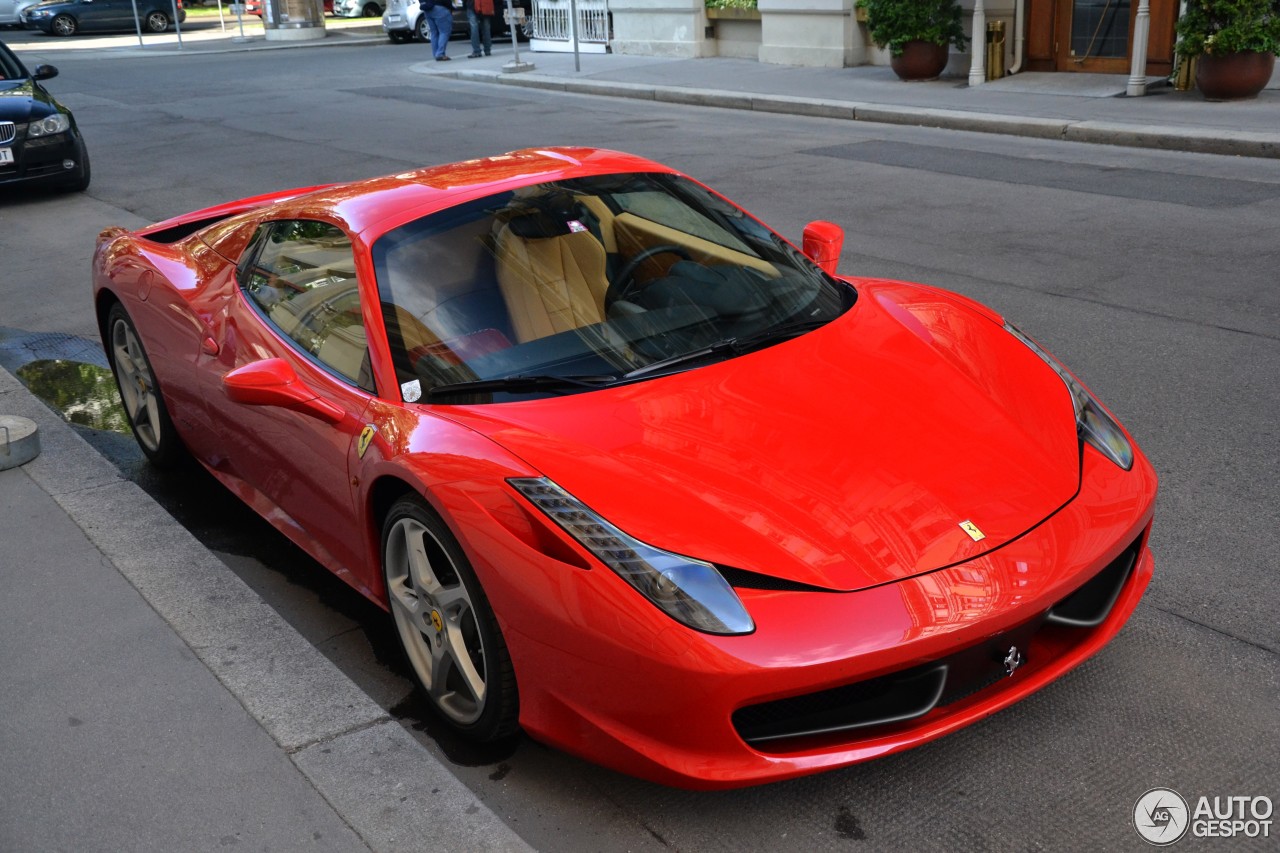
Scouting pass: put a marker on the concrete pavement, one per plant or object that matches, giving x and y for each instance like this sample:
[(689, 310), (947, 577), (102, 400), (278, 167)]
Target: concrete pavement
[(152, 701)]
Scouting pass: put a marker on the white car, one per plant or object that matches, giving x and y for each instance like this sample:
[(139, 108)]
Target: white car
[(403, 21), (357, 8), (11, 11)]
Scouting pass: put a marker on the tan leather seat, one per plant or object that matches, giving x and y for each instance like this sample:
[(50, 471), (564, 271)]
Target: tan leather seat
[(551, 275)]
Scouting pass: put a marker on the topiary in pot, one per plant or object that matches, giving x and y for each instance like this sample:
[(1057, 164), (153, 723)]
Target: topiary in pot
[(1236, 42), (918, 34)]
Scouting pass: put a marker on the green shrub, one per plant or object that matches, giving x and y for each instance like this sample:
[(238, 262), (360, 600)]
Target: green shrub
[(893, 23), (1229, 26)]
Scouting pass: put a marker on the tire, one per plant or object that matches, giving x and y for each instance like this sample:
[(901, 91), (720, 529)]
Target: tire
[(421, 30), (445, 624), (400, 36), (156, 22), (371, 10), (140, 393), (64, 25)]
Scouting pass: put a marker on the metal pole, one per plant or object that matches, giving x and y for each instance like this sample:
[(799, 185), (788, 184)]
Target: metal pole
[(573, 33), (513, 25), (137, 25), (221, 20), (177, 25), (1141, 32), (240, 17), (978, 68)]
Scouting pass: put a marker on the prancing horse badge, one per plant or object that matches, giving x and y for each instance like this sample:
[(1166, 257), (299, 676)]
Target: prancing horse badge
[(366, 436), (975, 532)]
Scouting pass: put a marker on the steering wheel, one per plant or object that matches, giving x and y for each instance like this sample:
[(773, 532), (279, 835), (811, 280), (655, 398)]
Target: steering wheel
[(623, 285)]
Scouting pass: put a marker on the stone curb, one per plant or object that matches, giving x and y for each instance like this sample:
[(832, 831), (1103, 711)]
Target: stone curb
[(1227, 142), (388, 787)]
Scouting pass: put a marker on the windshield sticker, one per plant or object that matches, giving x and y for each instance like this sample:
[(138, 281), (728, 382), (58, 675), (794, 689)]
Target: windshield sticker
[(411, 391)]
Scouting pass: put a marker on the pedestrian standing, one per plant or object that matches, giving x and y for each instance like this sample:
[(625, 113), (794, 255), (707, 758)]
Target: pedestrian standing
[(439, 26), (480, 17)]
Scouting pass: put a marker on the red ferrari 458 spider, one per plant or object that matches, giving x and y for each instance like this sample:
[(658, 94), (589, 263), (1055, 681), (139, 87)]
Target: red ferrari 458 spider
[(628, 469)]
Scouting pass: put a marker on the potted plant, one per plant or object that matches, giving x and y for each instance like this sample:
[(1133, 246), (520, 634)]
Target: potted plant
[(1234, 42), (918, 34)]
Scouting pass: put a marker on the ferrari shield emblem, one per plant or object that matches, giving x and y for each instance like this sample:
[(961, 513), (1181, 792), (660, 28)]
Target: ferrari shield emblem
[(975, 533), (366, 436)]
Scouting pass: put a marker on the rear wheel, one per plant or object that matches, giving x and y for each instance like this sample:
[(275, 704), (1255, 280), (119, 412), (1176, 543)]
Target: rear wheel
[(445, 624), (143, 403), (64, 25), (157, 22), (422, 30)]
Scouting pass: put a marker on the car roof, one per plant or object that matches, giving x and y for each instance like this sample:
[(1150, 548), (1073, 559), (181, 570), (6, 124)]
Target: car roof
[(375, 206)]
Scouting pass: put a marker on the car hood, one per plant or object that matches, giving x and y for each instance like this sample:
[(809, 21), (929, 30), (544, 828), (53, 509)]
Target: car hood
[(843, 459), (22, 100)]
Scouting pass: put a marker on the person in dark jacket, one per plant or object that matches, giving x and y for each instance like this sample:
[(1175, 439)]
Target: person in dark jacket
[(439, 26), (480, 18)]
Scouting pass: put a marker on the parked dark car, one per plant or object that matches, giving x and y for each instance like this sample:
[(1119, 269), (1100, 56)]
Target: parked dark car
[(69, 17), (39, 140)]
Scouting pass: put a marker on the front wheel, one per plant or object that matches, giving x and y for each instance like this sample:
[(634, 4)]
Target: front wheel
[(157, 22), (445, 624), (64, 25), (143, 403), (371, 10)]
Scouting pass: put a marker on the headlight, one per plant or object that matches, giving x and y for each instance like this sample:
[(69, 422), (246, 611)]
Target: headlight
[(48, 126), (1096, 426), (690, 591)]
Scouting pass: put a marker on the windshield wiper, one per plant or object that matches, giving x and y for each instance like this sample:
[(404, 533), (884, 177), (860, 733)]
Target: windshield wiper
[(733, 346), (537, 382)]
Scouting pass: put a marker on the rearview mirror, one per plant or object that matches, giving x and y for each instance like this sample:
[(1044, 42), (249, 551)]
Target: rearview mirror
[(272, 382), (822, 244)]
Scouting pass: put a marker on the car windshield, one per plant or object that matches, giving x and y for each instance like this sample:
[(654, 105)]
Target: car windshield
[(10, 67), (579, 284)]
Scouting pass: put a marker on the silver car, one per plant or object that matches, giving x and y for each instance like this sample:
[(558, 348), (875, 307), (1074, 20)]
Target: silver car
[(11, 11)]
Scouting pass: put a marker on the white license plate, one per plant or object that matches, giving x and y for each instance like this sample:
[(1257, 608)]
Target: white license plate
[(6, 155), (394, 19)]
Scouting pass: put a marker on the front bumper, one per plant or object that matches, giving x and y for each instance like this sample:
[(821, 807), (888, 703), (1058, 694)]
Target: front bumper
[(607, 677), (41, 160)]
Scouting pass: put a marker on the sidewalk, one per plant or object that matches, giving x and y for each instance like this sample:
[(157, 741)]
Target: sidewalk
[(151, 700), (1075, 107)]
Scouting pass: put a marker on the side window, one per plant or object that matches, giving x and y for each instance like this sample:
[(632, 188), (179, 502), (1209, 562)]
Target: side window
[(302, 275)]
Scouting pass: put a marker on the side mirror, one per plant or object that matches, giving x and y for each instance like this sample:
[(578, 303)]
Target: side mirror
[(822, 244), (272, 382), (44, 72)]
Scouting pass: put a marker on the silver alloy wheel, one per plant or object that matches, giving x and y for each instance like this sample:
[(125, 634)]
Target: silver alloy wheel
[(436, 619), (137, 385), (64, 25), (157, 22)]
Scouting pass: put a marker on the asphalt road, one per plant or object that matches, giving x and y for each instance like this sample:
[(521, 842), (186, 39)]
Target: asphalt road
[(1153, 274)]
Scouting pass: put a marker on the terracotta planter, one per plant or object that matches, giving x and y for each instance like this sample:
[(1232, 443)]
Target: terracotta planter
[(1230, 76), (920, 60)]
